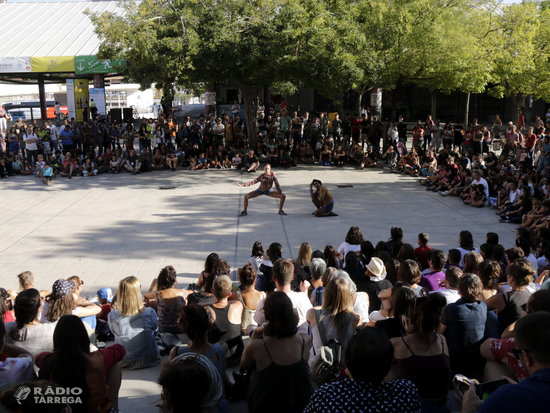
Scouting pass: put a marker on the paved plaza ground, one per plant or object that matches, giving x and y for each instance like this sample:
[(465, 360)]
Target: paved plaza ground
[(108, 227)]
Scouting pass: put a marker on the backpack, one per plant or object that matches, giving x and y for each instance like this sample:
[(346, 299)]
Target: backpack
[(326, 364)]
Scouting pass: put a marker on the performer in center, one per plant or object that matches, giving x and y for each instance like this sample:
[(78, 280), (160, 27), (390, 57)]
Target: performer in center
[(266, 180), (322, 199)]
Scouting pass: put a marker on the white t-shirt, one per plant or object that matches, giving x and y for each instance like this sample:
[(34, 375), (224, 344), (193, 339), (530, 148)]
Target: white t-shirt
[(451, 296), (534, 262), (300, 302), (463, 253), (483, 182), (31, 146), (344, 248)]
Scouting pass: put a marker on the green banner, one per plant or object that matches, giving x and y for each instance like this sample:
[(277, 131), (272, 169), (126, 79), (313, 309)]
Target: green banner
[(88, 65)]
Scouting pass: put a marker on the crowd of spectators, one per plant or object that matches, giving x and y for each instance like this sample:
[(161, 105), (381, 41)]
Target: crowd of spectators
[(353, 328)]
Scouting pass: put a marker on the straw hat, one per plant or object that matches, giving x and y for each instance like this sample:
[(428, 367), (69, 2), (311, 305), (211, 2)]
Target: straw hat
[(376, 267)]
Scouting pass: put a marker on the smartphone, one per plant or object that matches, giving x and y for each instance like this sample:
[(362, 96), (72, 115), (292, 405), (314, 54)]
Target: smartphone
[(484, 390), (461, 384)]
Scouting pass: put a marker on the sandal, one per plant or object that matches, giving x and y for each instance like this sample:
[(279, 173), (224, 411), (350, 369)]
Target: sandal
[(281, 212), (244, 213)]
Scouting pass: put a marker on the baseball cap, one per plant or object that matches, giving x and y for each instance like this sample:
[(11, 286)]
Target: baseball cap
[(105, 293)]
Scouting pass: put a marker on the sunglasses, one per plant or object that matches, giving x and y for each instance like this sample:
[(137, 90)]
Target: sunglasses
[(516, 352)]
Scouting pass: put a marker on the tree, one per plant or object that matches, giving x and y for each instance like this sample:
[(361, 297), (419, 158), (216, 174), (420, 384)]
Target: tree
[(521, 52), (198, 45)]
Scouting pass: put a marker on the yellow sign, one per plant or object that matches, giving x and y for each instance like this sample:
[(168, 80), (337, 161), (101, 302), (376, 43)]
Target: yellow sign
[(81, 99), (52, 64)]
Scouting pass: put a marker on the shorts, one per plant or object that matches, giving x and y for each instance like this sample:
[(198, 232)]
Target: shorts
[(328, 207), (264, 192)]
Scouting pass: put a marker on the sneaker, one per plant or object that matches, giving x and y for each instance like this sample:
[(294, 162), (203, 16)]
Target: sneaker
[(504, 220), (281, 212), (243, 214)]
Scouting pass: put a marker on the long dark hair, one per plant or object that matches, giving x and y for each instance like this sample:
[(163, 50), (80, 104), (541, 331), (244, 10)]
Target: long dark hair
[(210, 261), (26, 306), (69, 363), (354, 236), (281, 317), (466, 240), (257, 249), (330, 257)]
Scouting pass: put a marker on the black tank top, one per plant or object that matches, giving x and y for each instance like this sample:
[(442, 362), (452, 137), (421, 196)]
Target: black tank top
[(280, 388), (223, 329), (513, 310), (430, 374)]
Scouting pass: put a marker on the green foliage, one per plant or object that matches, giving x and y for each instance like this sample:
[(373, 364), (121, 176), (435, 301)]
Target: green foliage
[(333, 45)]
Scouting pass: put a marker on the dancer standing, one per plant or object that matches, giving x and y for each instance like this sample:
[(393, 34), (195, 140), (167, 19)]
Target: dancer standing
[(266, 180)]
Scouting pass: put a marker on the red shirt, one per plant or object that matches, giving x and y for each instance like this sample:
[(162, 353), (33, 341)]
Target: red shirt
[(530, 141), (422, 256)]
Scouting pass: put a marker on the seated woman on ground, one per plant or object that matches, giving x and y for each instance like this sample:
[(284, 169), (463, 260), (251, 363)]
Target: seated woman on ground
[(336, 316), (278, 355), (248, 296), (211, 259), (226, 319), (27, 332), (71, 364), (168, 300), (63, 301), (318, 268), (26, 280), (195, 323), (489, 273), (510, 305), (422, 355), (401, 306), (134, 326), (476, 197), (84, 309)]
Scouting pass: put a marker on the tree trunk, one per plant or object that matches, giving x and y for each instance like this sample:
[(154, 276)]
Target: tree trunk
[(359, 101), (166, 99), (250, 100), (433, 110), (467, 110)]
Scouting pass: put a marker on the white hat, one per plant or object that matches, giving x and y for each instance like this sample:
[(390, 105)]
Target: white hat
[(376, 267)]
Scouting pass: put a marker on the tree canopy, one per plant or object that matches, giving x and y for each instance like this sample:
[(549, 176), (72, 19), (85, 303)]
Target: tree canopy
[(333, 45)]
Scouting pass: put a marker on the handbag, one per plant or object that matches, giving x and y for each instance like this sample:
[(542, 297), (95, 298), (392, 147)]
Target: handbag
[(326, 364)]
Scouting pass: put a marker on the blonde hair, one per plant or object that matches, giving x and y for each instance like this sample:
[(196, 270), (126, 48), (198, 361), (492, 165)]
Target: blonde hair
[(129, 301), (77, 282), (304, 254), (222, 286), (338, 301), (26, 280)]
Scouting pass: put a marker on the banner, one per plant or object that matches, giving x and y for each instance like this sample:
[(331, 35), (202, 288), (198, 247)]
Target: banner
[(53, 64), (97, 95), (87, 65), (15, 64), (82, 99), (70, 99)]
